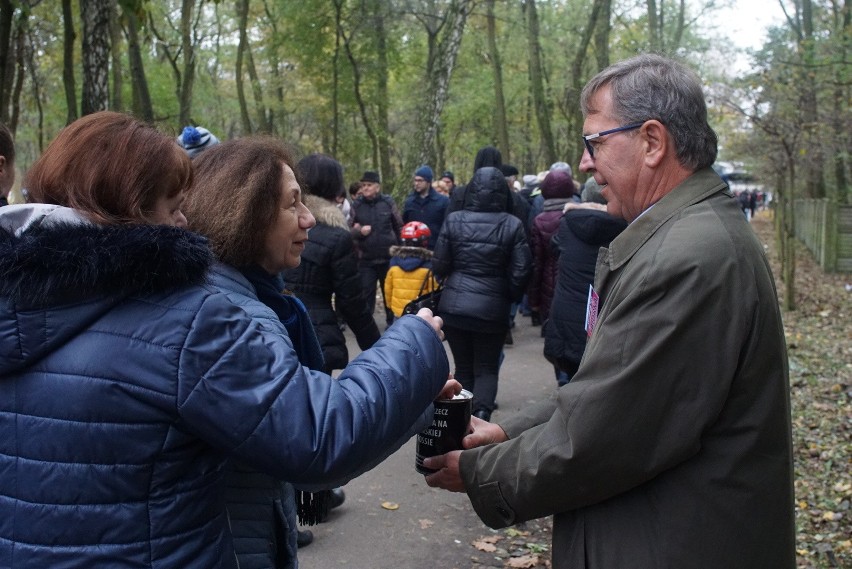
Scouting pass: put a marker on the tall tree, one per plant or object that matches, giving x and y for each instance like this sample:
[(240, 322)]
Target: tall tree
[(802, 25), (597, 27), (242, 48), (142, 106), (188, 42), (7, 59), (842, 17), (537, 81), (95, 53), (69, 36), (663, 35), (501, 127), (444, 29), (117, 97)]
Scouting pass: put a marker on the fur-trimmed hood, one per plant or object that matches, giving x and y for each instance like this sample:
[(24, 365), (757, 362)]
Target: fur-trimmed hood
[(51, 255), (407, 251), (325, 212), (59, 273), (410, 258)]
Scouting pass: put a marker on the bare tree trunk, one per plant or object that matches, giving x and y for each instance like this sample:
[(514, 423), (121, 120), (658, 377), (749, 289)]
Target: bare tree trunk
[(68, 81), (18, 83), (597, 27), (141, 96), (655, 41), (801, 25), (335, 79), (117, 98), (542, 109), (242, 16), (840, 121), (501, 127), (789, 269), (438, 83), (35, 83), (359, 98), (276, 114), (7, 57), (383, 114), (188, 60), (602, 31), (264, 123), (95, 53)]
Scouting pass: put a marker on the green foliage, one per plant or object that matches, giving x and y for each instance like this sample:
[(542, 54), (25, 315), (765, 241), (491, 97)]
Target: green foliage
[(298, 52)]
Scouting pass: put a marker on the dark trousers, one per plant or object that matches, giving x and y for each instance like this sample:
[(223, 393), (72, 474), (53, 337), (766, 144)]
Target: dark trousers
[(371, 274), (477, 359)]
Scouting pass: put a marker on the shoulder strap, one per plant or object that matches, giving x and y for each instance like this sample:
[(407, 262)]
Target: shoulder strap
[(425, 280)]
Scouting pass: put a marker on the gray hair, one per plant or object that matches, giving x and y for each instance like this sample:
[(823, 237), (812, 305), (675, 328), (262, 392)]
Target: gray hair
[(651, 86)]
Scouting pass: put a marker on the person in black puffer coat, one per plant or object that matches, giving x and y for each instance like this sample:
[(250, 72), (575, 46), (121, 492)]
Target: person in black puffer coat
[(484, 256), (459, 197), (582, 232), (330, 266)]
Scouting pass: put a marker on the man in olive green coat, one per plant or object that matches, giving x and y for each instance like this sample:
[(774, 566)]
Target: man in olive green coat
[(671, 447)]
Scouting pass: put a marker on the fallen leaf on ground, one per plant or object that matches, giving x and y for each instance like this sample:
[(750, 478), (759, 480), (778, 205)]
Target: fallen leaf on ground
[(390, 505), (523, 562), (482, 545)]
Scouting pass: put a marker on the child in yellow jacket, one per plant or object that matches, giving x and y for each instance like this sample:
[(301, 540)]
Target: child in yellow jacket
[(410, 272)]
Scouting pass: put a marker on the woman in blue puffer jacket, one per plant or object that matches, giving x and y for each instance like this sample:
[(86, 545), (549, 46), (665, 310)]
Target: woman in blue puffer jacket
[(484, 256), (130, 376)]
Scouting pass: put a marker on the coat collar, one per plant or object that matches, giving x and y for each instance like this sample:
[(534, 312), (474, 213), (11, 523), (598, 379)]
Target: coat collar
[(51, 255), (698, 187), (325, 212)]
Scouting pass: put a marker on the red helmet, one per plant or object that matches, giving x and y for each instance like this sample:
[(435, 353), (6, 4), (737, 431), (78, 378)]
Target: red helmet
[(415, 233)]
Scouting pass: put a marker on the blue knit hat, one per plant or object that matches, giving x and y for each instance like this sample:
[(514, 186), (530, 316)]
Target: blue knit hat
[(195, 139), (424, 172)]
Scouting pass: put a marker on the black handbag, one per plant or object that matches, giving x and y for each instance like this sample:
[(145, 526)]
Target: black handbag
[(428, 300)]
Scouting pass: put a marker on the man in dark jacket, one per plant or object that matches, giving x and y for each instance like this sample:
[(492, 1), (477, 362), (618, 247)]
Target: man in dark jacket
[(426, 205), (376, 226), (671, 447), (581, 233)]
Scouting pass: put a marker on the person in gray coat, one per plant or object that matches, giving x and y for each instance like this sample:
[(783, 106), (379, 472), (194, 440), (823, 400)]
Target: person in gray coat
[(671, 447)]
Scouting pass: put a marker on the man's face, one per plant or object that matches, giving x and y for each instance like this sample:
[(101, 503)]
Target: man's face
[(617, 165), (370, 189), (421, 185), (449, 182)]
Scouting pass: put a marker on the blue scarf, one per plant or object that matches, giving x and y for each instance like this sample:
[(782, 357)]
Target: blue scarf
[(292, 313), (311, 507)]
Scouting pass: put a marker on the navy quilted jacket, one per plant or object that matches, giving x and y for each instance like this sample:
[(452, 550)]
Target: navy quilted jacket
[(127, 382)]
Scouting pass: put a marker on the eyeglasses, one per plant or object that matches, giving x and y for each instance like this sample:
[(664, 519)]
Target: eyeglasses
[(588, 137), (419, 179)]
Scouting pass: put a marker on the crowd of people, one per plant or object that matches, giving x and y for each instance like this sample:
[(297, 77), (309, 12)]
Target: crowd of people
[(176, 389)]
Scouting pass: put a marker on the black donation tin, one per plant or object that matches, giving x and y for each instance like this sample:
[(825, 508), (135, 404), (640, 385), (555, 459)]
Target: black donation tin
[(449, 426)]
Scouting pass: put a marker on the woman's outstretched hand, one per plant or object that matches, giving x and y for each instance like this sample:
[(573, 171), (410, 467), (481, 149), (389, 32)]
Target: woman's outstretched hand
[(450, 390), (436, 322)]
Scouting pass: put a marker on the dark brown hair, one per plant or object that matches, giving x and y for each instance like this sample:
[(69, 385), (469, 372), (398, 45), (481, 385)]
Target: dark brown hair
[(236, 196), (7, 145), (111, 167)]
